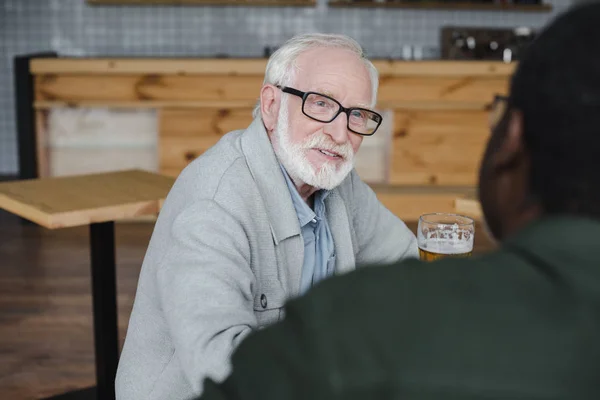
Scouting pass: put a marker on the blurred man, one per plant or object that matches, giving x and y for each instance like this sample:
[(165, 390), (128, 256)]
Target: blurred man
[(520, 323), (260, 218)]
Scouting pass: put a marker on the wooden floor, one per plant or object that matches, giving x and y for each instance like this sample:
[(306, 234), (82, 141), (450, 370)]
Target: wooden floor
[(46, 343)]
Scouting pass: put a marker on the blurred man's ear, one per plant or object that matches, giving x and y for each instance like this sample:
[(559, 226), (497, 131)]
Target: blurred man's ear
[(504, 178), (269, 106), (512, 146)]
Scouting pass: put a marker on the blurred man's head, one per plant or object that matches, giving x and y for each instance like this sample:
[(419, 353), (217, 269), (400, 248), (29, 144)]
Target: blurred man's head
[(543, 157), (315, 152)]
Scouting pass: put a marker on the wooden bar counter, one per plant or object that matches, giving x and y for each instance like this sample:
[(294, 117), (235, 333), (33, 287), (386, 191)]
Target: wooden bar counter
[(439, 112)]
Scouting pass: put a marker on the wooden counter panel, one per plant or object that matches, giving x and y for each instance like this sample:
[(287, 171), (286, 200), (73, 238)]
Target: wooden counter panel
[(447, 91), (116, 90), (176, 152), (437, 147), (145, 88), (186, 133), (440, 125), (202, 121), (253, 66)]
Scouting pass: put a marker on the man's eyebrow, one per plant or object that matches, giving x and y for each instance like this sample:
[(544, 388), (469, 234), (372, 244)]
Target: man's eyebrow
[(328, 93), (325, 92)]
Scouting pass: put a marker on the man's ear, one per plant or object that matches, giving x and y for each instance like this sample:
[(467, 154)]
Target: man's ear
[(512, 147), (269, 106)]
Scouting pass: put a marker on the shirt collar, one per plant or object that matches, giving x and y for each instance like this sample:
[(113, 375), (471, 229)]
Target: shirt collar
[(305, 213)]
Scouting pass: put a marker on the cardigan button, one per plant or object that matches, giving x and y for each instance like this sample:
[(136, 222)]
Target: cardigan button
[(263, 301)]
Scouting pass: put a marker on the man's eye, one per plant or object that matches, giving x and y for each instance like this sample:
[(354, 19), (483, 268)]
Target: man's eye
[(357, 114)]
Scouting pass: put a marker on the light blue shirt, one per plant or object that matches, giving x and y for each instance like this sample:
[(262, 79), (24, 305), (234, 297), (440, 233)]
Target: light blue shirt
[(319, 250)]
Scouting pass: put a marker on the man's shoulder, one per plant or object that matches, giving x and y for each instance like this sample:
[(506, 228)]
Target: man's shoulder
[(370, 308), (220, 175), (223, 163), (381, 287), (418, 321)]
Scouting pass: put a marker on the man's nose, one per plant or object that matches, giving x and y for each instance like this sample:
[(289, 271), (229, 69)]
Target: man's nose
[(338, 129)]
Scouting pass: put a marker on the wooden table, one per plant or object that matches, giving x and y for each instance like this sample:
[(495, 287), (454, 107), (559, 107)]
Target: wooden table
[(96, 200)]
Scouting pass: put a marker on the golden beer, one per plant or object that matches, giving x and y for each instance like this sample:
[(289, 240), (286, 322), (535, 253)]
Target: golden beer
[(442, 235), (431, 256)]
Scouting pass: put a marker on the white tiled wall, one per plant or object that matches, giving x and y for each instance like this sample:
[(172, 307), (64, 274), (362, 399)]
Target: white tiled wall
[(71, 27)]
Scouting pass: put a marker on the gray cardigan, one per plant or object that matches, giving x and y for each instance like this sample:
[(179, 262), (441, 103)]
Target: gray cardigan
[(225, 255)]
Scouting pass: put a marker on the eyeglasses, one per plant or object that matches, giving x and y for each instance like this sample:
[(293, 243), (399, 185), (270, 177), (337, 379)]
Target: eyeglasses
[(325, 109), (499, 99)]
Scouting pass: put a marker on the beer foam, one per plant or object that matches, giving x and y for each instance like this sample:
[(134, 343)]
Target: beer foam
[(446, 239), (443, 246)]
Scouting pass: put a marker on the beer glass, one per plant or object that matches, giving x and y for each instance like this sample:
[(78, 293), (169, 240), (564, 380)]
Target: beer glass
[(441, 235)]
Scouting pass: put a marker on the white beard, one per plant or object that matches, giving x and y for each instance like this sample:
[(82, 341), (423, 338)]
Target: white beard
[(293, 156)]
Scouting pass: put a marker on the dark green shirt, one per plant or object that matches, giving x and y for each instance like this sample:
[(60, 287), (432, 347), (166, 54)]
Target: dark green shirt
[(519, 323)]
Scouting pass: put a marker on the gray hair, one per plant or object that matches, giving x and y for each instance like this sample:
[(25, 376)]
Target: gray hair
[(281, 67)]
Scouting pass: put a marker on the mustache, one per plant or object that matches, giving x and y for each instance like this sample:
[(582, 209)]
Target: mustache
[(321, 141)]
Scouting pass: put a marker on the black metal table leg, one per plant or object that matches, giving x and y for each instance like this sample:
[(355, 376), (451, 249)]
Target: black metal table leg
[(104, 299)]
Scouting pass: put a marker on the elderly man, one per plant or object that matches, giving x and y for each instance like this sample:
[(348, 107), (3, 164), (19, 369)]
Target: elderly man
[(520, 323), (258, 219)]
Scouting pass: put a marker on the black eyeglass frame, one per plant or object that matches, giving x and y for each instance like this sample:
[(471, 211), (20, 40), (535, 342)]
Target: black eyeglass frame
[(500, 97), (342, 109), (497, 108)]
